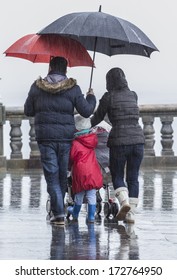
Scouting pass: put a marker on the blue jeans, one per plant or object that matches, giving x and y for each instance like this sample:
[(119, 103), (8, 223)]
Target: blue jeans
[(55, 158), (129, 157), (90, 197)]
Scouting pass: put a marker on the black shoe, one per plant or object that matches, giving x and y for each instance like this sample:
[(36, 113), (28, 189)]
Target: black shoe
[(57, 220)]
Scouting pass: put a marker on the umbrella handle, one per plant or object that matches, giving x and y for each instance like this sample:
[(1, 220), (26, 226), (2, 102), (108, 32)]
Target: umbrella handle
[(91, 76)]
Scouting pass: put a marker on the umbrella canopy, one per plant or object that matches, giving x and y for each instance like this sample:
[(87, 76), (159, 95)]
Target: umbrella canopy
[(104, 33), (40, 48), (113, 35)]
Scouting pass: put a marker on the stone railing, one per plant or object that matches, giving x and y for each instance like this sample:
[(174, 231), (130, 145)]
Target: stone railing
[(165, 114)]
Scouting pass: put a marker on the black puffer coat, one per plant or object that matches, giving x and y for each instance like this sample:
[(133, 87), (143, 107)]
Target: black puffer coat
[(120, 104), (52, 102)]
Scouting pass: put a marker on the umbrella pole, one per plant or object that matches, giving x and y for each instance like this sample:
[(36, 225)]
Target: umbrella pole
[(93, 64), (93, 58)]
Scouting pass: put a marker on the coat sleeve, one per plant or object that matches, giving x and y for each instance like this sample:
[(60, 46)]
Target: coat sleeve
[(101, 111), (29, 109), (84, 106)]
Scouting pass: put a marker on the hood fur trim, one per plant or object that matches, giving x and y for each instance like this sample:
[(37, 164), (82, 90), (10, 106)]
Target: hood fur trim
[(55, 87)]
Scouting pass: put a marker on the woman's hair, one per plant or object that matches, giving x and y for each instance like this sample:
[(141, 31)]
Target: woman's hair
[(59, 64), (115, 79)]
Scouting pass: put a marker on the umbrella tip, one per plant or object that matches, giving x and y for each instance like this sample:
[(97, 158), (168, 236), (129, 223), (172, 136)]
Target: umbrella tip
[(100, 8)]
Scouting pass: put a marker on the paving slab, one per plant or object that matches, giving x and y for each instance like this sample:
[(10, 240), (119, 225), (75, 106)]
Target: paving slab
[(26, 234)]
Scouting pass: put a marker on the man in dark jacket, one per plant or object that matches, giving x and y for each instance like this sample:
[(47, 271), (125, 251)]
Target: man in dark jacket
[(126, 140), (52, 101)]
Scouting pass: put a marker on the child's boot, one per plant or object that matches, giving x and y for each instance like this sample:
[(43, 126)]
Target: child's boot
[(122, 196), (91, 213), (74, 211)]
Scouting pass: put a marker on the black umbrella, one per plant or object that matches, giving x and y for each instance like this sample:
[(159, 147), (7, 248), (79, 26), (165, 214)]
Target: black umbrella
[(104, 33)]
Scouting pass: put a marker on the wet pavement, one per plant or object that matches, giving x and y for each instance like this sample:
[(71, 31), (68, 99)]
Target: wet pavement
[(26, 234)]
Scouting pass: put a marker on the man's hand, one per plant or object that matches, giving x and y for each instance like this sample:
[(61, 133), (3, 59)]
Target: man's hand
[(90, 91)]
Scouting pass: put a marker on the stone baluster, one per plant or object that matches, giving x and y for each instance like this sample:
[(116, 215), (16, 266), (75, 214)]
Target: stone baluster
[(16, 137), (33, 143), (2, 122), (149, 133), (167, 136)]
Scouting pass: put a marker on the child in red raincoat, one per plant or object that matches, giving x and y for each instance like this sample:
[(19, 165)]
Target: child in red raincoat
[(86, 173)]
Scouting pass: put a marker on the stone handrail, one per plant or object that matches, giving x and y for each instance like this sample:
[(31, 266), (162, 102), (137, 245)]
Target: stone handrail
[(148, 114)]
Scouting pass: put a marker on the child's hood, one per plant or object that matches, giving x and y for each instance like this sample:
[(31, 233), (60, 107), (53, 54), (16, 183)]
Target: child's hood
[(88, 140)]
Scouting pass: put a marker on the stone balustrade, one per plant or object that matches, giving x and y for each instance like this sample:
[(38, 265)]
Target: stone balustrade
[(165, 114)]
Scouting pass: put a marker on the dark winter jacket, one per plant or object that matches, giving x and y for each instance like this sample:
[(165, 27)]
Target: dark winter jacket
[(120, 105), (52, 102), (86, 172)]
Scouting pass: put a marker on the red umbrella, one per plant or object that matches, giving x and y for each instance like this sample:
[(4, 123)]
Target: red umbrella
[(40, 48)]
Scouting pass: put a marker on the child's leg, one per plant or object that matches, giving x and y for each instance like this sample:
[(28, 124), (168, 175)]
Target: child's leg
[(74, 210), (91, 198), (78, 198)]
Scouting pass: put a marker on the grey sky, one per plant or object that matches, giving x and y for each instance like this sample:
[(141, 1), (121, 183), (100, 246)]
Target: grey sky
[(153, 79)]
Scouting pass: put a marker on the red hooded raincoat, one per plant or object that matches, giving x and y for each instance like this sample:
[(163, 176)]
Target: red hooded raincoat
[(86, 172)]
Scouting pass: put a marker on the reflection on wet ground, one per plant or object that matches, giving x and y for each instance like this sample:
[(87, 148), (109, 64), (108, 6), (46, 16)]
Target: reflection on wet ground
[(26, 234)]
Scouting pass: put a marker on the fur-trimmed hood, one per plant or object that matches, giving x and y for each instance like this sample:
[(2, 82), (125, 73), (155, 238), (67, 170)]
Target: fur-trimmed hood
[(55, 87)]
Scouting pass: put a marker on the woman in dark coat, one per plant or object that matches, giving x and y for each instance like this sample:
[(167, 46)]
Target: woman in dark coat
[(125, 141)]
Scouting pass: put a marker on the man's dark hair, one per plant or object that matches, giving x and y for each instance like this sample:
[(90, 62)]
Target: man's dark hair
[(59, 64)]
